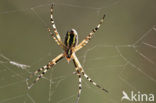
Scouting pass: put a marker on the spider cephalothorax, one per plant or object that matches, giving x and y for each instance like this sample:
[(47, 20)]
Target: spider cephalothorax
[(71, 40), (70, 46)]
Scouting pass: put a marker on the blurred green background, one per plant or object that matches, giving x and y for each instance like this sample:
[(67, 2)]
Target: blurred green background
[(120, 57)]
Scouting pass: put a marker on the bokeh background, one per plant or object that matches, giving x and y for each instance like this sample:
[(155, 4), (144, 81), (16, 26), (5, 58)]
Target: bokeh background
[(120, 57)]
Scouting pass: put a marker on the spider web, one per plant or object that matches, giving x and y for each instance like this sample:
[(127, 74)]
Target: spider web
[(121, 55)]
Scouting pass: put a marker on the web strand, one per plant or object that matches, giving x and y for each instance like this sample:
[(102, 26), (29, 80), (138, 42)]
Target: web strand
[(110, 58)]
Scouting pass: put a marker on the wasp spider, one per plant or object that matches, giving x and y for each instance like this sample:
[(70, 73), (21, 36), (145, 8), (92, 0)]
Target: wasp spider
[(70, 46)]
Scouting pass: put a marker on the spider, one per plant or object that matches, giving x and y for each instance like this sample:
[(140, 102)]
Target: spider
[(70, 46)]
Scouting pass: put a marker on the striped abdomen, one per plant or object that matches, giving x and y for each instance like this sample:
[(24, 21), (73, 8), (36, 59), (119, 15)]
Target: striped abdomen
[(71, 40)]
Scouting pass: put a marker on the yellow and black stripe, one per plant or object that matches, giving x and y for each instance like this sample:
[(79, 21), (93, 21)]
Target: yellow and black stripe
[(71, 40)]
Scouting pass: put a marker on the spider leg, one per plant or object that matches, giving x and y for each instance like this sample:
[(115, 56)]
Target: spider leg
[(47, 67), (56, 40), (75, 59), (54, 26), (80, 81), (86, 40)]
